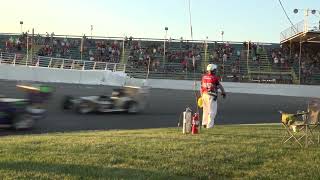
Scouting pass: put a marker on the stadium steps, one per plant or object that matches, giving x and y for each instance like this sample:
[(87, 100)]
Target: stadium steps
[(31, 55), (125, 56), (262, 71), (173, 71)]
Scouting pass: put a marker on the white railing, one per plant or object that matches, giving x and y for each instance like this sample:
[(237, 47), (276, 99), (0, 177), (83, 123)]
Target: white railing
[(8, 58), (292, 31), (302, 26), (50, 62)]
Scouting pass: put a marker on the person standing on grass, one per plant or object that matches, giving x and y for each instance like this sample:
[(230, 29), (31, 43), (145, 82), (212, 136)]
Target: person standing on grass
[(209, 93)]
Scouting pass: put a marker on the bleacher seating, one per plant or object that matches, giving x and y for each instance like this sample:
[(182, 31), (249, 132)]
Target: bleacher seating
[(138, 54)]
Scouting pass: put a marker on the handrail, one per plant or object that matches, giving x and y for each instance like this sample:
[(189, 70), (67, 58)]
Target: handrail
[(272, 72), (292, 31), (61, 63), (133, 38), (296, 79)]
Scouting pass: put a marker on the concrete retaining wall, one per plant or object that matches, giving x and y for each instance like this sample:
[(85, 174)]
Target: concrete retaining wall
[(110, 78), (39, 74)]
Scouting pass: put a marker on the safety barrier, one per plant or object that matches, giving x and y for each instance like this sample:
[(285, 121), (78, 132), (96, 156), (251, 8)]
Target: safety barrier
[(107, 77), (58, 72), (292, 31), (50, 62), (246, 88), (58, 75)]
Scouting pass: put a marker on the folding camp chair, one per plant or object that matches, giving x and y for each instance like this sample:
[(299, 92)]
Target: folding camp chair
[(288, 121), (302, 124), (314, 117)]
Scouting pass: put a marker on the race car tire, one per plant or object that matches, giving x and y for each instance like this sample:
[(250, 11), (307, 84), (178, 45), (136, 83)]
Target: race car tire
[(23, 122), (84, 108), (132, 107), (66, 103)]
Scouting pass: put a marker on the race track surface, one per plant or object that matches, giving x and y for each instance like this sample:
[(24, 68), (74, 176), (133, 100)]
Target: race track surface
[(164, 109)]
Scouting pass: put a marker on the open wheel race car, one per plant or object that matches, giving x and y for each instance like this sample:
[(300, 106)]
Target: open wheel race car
[(126, 99), (23, 113)]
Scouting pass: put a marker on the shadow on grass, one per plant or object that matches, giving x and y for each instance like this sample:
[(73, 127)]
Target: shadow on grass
[(85, 171)]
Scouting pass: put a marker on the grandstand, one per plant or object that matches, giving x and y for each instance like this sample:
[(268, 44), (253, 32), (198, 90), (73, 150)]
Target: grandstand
[(300, 44), (238, 61)]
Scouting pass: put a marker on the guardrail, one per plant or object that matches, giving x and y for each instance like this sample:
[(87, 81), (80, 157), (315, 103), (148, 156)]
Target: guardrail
[(292, 31), (50, 62), (133, 38)]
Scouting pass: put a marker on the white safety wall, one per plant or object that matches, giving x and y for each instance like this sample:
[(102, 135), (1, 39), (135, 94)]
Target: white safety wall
[(101, 77), (39, 74), (248, 88)]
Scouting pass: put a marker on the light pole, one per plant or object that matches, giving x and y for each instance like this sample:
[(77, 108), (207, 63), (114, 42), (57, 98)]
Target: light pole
[(91, 30), (206, 52), (32, 41), (81, 46), (248, 51), (222, 33), (300, 51), (21, 23), (27, 48), (123, 51), (306, 14), (164, 46)]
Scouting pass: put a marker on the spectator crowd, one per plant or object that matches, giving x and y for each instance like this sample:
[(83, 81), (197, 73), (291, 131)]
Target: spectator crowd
[(286, 57), (175, 55)]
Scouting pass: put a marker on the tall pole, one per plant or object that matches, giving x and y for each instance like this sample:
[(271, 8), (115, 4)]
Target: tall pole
[(21, 23), (32, 41), (300, 51), (205, 53), (248, 51), (91, 30), (164, 46), (193, 58), (306, 14), (222, 33), (123, 61), (27, 48), (223, 69), (190, 20), (81, 47)]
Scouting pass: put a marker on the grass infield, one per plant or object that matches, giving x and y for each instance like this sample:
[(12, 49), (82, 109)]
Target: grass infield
[(225, 152)]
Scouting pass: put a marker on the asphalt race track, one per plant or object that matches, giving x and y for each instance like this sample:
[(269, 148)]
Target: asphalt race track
[(164, 109)]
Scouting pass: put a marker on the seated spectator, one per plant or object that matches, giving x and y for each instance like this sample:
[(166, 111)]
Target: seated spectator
[(225, 57), (238, 54), (184, 64), (276, 60)]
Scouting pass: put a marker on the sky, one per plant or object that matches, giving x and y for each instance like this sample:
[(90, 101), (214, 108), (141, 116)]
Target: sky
[(241, 20)]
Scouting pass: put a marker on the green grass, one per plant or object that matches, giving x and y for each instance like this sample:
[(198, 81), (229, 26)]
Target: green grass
[(226, 152)]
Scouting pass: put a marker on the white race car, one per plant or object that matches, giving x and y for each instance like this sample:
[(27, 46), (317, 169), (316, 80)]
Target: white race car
[(126, 99)]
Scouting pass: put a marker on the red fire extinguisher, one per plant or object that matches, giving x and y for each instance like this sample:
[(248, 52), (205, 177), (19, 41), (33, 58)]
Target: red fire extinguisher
[(195, 123)]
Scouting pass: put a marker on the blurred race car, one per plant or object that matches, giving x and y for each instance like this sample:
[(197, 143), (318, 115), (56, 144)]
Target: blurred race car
[(23, 113), (126, 99)]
